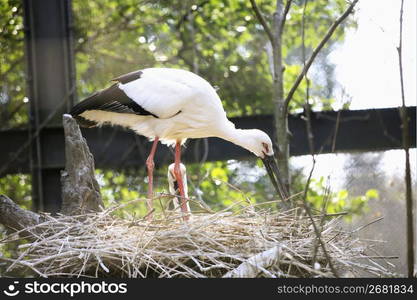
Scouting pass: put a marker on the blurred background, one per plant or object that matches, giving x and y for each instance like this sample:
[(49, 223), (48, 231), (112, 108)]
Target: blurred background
[(223, 42)]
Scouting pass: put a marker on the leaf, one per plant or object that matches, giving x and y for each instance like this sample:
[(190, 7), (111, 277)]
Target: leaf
[(343, 194), (372, 194)]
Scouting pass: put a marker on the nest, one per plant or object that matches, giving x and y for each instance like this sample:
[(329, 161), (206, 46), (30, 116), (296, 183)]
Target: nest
[(251, 243)]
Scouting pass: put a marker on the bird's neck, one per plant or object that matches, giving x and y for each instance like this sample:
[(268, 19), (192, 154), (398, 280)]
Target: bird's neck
[(239, 137)]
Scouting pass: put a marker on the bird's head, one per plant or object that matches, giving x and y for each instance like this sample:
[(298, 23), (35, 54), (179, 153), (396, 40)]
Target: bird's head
[(256, 141), (172, 181), (171, 172), (260, 144)]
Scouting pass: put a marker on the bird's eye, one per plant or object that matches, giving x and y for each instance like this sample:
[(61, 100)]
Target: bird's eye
[(266, 147)]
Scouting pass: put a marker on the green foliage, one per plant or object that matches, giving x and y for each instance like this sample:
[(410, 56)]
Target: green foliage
[(17, 187), (216, 187), (335, 202), (220, 40), (121, 188), (13, 105)]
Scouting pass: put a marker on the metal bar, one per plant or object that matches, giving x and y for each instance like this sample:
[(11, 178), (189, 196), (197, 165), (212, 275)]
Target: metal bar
[(359, 131), (50, 76)]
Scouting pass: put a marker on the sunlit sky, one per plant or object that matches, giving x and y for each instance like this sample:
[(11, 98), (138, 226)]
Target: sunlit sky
[(367, 68), (367, 62)]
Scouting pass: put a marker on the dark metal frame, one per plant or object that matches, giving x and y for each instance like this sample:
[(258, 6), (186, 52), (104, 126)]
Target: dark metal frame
[(344, 131), (50, 78)]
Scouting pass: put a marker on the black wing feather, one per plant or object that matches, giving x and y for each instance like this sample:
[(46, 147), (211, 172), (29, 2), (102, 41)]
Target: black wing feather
[(128, 77), (112, 99)]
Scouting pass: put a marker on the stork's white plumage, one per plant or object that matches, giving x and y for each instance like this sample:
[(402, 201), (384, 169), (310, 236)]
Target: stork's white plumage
[(171, 105), (173, 186)]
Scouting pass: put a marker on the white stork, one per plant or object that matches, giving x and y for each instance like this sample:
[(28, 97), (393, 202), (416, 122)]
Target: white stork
[(171, 105)]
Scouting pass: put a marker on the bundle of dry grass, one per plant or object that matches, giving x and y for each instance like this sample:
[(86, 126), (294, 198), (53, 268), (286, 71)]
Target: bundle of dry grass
[(247, 244)]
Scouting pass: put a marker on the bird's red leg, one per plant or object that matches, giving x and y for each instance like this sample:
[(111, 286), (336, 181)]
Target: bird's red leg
[(177, 172), (150, 165)]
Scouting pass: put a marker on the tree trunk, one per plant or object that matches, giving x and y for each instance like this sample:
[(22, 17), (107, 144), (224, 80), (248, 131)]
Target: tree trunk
[(80, 190), (280, 111)]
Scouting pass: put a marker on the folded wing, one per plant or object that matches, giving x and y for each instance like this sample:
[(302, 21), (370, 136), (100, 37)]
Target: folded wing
[(139, 93)]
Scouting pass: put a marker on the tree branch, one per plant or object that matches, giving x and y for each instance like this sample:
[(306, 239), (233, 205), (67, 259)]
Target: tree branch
[(284, 16), (317, 50), (406, 146), (262, 20), (14, 217), (318, 241), (316, 229)]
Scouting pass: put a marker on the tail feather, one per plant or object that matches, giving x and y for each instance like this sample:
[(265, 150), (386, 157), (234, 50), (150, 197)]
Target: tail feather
[(111, 99), (86, 104), (91, 102)]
